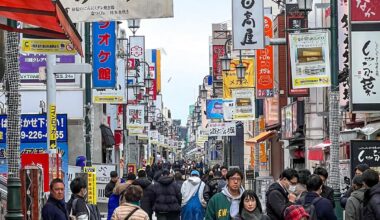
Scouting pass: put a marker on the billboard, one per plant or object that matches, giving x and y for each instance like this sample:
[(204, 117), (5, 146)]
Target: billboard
[(135, 116), (310, 59), (247, 24), (214, 108), (104, 55), (230, 80), (244, 104), (365, 152), (365, 10), (221, 129)]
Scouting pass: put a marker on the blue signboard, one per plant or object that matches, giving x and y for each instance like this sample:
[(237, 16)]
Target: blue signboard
[(34, 128), (214, 108), (104, 55)]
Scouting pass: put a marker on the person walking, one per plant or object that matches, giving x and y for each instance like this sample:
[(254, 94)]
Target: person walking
[(111, 185), (193, 202), (250, 207), (77, 206), (354, 205), (166, 197), (278, 197), (359, 169), (144, 183), (178, 179), (130, 210), (215, 185), (225, 205), (327, 192), (115, 198), (371, 205), (55, 207)]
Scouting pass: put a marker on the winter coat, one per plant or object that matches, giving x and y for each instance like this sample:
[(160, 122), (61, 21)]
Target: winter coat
[(371, 204), (256, 214), (323, 206), (276, 201), (109, 188), (145, 202), (54, 210), (190, 187), (215, 185), (346, 195), (80, 208), (328, 193), (222, 205), (166, 196), (354, 204), (125, 209)]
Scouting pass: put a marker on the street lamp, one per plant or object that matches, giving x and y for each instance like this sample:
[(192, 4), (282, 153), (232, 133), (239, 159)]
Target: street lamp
[(134, 25), (226, 60), (203, 91), (305, 5)]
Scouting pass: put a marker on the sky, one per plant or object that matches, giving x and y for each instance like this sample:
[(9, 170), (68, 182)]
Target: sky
[(185, 39)]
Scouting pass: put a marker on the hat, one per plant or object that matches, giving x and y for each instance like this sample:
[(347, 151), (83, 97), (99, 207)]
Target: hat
[(195, 173), (295, 212)]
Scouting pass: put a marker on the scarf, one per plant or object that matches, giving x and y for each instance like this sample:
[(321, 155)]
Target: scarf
[(255, 215)]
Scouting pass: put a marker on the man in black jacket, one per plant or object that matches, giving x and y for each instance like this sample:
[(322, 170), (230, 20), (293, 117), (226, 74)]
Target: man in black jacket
[(327, 192), (77, 205), (55, 207), (371, 206), (144, 182), (166, 197), (111, 185), (277, 195)]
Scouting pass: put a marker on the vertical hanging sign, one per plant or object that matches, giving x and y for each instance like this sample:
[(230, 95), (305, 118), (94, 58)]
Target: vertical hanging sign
[(264, 59), (104, 58), (247, 24), (137, 52)]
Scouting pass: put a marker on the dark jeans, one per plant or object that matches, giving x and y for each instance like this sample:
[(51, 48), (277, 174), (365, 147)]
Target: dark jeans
[(168, 216)]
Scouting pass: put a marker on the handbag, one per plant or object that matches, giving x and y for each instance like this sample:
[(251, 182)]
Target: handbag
[(131, 213)]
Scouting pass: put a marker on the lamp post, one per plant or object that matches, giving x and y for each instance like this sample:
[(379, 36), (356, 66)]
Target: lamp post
[(134, 25)]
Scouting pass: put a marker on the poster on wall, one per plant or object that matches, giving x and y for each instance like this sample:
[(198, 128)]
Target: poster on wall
[(310, 59), (365, 151), (244, 104), (365, 71)]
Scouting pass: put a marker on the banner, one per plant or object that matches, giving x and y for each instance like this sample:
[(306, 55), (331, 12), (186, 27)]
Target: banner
[(344, 53), (244, 104), (217, 53), (214, 108), (365, 10), (365, 152), (264, 63), (91, 185), (116, 95), (365, 78), (111, 10), (247, 24), (103, 55), (137, 52), (135, 116), (221, 129), (152, 59), (310, 59), (230, 80), (47, 46)]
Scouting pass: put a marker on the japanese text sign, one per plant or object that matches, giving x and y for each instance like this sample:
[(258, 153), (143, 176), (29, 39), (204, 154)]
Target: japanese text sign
[(244, 104), (222, 129), (365, 152), (217, 53), (365, 78), (34, 128), (214, 108), (247, 24), (230, 80), (264, 64), (344, 53), (104, 55), (137, 52), (365, 10), (135, 116), (91, 184)]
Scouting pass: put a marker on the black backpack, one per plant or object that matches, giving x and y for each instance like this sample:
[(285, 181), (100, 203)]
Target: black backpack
[(310, 208)]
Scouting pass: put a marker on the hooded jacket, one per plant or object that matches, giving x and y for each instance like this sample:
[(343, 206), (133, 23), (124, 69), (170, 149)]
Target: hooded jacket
[(145, 202), (354, 205), (190, 187), (276, 202), (166, 196), (372, 203), (222, 206)]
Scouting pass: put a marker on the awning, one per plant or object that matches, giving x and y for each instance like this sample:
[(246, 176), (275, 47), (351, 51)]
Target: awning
[(49, 17), (316, 152), (261, 137), (371, 128)]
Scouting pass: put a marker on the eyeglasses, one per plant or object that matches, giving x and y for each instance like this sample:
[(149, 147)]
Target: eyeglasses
[(235, 179)]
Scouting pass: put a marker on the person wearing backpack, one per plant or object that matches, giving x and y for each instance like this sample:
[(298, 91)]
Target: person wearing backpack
[(214, 185), (77, 206), (317, 207), (130, 209), (371, 204), (354, 204)]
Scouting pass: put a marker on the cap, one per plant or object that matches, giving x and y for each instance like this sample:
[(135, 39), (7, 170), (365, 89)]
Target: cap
[(195, 173), (295, 212)]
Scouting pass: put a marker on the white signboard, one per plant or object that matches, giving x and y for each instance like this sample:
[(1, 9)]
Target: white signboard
[(103, 172), (365, 68), (310, 59), (228, 110), (116, 95), (135, 117), (137, 52), (222, 129), (110, 10), (244, 104), (153, 136), (248, 24)]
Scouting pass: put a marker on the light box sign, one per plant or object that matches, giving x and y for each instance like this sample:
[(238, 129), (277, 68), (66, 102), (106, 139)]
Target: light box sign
[(214, 108), (221, 129), (365, 152), (365, 10), (137, 52), (34, 128), (244, 104), (103, 55), (135, 116), (247, 24)]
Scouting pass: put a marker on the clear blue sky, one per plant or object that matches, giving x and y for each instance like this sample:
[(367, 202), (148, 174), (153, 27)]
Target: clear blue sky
[(185, 38)]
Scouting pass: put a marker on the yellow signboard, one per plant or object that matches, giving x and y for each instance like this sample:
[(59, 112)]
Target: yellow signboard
[(52, 127), (230, 80), (47, 46), (91, 185)]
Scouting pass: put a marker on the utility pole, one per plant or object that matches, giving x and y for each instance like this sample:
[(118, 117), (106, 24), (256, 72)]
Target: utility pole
[(87, 58)]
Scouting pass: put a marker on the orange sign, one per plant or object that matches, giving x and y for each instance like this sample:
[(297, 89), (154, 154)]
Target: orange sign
[(264, 57)]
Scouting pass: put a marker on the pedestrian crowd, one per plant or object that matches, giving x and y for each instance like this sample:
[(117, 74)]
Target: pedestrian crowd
[(218, 194)]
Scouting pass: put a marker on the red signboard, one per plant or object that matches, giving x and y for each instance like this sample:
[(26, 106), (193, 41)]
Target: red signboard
[(365, 10), (41, 160), (217, 52), (264, 57)]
